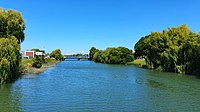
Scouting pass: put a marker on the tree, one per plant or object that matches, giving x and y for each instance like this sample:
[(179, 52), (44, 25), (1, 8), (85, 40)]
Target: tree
[(99, 57), (9, 59), (12, 24), (35, 49), (79, 54), (119, 55), (93, 50), (141, 48), (11, 35), (57, 54), (173, 50)]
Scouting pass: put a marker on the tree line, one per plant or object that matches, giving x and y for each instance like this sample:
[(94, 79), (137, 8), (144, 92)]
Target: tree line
[(119, 55), (12, 28), (176, 49)]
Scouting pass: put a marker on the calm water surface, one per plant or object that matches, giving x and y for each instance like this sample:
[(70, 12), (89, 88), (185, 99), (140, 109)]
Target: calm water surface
[(88, 86)]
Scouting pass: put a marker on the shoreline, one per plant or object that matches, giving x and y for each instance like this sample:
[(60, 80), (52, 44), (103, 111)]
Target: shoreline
[(33, 70), (138, 62)]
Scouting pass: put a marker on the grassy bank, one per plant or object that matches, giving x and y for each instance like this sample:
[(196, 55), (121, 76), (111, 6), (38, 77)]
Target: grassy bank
[(138, 62), (26, 66)]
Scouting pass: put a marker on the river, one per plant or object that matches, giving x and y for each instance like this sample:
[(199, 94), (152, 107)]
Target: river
[(85, 86)]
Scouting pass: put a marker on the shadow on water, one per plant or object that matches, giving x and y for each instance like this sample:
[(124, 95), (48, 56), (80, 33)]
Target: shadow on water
[(155, 84), (198, 77), (10, 99), (152, 83)]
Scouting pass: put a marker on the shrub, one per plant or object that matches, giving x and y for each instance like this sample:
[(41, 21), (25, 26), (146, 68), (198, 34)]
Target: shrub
[(37, 62)]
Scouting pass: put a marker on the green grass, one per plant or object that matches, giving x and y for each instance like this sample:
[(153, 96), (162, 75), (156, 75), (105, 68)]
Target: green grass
[(138, 62), (27, 62)]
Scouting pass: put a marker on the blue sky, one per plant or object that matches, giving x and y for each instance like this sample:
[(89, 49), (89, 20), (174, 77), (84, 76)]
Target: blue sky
[(75, 26)]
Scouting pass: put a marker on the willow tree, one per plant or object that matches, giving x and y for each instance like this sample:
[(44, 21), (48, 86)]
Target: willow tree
[(12, 24), (174, 50), (12, 28), (9, 61)]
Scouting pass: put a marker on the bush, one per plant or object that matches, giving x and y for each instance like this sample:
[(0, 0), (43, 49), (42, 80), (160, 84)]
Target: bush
[(37, 62)]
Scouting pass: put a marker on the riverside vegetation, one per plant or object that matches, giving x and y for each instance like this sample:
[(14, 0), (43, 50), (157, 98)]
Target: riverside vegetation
[(12, 28), (138, 62), (35, 67), (40, 63), (55, 55), (119, 55), (174, 50)]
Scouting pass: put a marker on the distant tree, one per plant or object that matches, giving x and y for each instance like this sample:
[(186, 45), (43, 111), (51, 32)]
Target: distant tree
[(35, 49), (57, 54), (86, 55), (78, 54), (119, 55), (93, 50)]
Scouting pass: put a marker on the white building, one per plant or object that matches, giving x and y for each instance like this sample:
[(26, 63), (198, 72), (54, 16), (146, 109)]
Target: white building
[(39, 53)]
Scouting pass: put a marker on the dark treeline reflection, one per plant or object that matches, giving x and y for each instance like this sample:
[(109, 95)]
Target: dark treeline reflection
[(10, 99)]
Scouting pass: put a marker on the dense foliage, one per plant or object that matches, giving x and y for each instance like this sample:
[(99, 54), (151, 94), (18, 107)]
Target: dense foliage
[(175, 50), (9, 59), (12, 24), (11, 35), (119, 55), (93, 50), (38, 61), (56, 54)]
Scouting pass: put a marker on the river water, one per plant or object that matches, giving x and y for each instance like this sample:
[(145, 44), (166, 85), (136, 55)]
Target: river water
[(85, 86)]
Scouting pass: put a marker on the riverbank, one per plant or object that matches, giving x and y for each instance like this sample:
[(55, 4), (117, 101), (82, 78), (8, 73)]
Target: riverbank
[(27, 66)]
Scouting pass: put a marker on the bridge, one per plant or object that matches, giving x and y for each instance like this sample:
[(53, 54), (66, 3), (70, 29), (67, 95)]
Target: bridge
[(68, 58)]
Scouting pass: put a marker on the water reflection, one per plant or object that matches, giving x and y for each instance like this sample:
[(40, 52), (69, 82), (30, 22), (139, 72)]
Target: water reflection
[(156, 84), (10, 98), (30, 76)]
